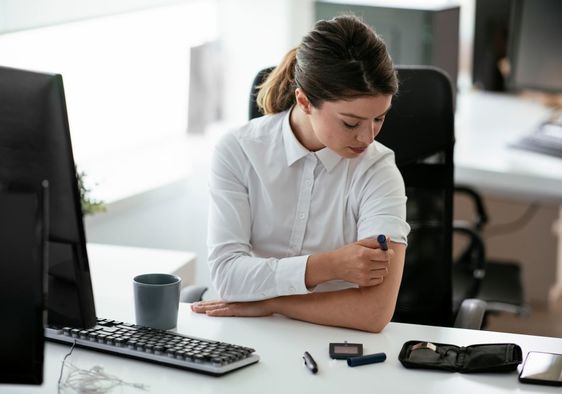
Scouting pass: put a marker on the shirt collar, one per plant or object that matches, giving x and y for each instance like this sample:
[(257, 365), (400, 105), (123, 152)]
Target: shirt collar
[(328, 158), (295, 151), (293, 148)]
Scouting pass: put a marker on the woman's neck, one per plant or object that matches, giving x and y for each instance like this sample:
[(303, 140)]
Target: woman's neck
[(302, 129)]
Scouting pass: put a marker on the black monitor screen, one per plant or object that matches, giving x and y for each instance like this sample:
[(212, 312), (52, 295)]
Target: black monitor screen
[(34, 146), (23, 221), (535, 50)]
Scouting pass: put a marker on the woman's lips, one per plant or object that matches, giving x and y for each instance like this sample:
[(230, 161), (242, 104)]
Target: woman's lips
[(357, 150)]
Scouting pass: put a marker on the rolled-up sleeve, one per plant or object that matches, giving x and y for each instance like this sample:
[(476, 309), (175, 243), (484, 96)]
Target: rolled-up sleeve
[(236, 274), (382, 207)]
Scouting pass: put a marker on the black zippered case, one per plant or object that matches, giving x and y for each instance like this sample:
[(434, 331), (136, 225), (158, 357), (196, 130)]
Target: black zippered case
[(491, 357)]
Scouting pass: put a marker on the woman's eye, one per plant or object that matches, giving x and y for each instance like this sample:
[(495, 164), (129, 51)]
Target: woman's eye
[(350, 126), (379, 120)]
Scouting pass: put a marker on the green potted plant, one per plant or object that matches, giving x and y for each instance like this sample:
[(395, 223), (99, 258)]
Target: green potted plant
[(90, 205)]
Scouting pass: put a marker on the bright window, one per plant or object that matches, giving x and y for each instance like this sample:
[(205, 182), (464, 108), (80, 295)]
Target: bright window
[(126, 82)]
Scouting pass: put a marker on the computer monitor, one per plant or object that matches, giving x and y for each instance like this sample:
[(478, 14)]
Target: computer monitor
[(23, 248), (34, 146), (534, 50)]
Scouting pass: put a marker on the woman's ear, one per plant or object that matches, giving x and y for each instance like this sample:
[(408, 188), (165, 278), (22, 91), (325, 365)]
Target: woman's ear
[(302, 101)]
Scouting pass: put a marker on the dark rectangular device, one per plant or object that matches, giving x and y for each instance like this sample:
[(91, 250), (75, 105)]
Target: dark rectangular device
[(23, 224), (35, 146), (542, 368), (343, 351)]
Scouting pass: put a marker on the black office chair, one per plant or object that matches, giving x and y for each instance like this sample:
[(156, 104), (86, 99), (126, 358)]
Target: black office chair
[(497, 282), (420, 130)]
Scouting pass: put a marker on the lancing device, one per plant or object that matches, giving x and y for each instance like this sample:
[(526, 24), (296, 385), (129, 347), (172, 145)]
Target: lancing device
[(310, 363), (367, 359), (382, 242)]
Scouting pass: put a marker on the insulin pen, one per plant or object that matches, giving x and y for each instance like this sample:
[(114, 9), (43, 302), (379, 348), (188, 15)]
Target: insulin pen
[(368, 359), (382, 242)]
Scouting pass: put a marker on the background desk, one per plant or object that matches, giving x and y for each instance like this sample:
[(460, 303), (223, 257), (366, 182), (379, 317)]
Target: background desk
[(281, 342), (486, 124), (113, 268)]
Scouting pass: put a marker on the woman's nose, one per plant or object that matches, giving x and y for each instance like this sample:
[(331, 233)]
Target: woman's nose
[(367, 135)]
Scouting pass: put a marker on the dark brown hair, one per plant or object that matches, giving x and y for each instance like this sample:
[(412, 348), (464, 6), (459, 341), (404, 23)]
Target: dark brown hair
[(341, 58)]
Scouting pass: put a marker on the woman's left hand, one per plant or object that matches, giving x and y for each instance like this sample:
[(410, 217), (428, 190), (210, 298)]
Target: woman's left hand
[(244, 309)]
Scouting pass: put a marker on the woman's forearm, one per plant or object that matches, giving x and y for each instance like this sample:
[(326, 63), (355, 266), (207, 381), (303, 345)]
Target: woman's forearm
[(363, 263), (352, 308), (364, 308), (367, 308), (318, 269)]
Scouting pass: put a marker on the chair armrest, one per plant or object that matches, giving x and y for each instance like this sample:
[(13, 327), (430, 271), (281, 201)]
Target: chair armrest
[(192, 293), (471, 314), (476, 199), (475, 254)]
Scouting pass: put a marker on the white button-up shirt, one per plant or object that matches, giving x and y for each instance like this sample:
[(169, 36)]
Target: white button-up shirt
[(273, 203)]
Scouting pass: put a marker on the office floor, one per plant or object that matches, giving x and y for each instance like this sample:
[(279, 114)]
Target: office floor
[(542, 320)]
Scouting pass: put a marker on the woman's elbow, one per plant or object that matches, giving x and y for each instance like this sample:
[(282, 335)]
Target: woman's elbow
[(378, 320), (223, 289), (377, 326), (220, 270), (227, 289)]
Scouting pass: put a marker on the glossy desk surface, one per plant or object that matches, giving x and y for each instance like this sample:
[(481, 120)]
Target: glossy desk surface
[(281, 342)]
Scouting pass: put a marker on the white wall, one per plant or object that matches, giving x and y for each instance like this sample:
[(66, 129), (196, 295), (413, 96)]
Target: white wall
[(126, 85), (254, 34), (257, 34), (26, 14)]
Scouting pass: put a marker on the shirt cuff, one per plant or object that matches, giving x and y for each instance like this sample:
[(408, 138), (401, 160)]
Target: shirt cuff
[(290, 276)]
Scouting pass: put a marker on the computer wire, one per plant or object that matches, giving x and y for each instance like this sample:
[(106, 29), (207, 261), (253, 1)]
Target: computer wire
[(90, 381)]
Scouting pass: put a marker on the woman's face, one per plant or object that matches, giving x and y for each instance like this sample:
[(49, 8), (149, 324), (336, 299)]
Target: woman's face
[(348, 127)]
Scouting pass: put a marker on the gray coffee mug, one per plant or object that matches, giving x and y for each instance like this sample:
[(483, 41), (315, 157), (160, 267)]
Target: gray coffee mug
[(157, 300)]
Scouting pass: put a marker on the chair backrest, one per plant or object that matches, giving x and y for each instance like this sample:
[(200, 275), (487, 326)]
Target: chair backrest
[(420, 130)]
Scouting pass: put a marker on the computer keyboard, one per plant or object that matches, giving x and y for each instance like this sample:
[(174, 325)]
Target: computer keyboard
[(546, 139), (157, 346)]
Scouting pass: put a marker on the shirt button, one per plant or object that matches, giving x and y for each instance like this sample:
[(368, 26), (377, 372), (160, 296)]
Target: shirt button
[(292, 289), (308, 183), (301, 216)]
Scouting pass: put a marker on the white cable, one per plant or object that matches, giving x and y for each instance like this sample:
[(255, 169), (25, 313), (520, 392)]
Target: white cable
[(90, 381)]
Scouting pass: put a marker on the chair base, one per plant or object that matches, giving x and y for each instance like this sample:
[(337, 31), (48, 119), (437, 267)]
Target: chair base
[(502, 287)]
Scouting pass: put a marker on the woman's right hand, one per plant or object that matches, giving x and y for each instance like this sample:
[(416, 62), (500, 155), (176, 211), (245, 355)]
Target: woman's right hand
[(363, 263)]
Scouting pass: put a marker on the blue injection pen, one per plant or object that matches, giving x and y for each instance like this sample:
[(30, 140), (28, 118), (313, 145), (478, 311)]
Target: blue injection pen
[(382, 242), (368, 359)]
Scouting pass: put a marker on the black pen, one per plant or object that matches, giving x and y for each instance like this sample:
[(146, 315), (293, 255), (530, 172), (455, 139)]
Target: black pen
[(309, 362)]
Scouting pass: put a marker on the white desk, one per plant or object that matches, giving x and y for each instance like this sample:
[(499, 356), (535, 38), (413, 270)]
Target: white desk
[(281, 342), (485, 125)]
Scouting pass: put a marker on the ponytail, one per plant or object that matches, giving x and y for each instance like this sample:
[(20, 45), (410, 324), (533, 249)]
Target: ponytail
[(277, 93), (340, 59)]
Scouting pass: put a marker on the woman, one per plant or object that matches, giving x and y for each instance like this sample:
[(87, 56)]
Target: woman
[(299, 196)]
